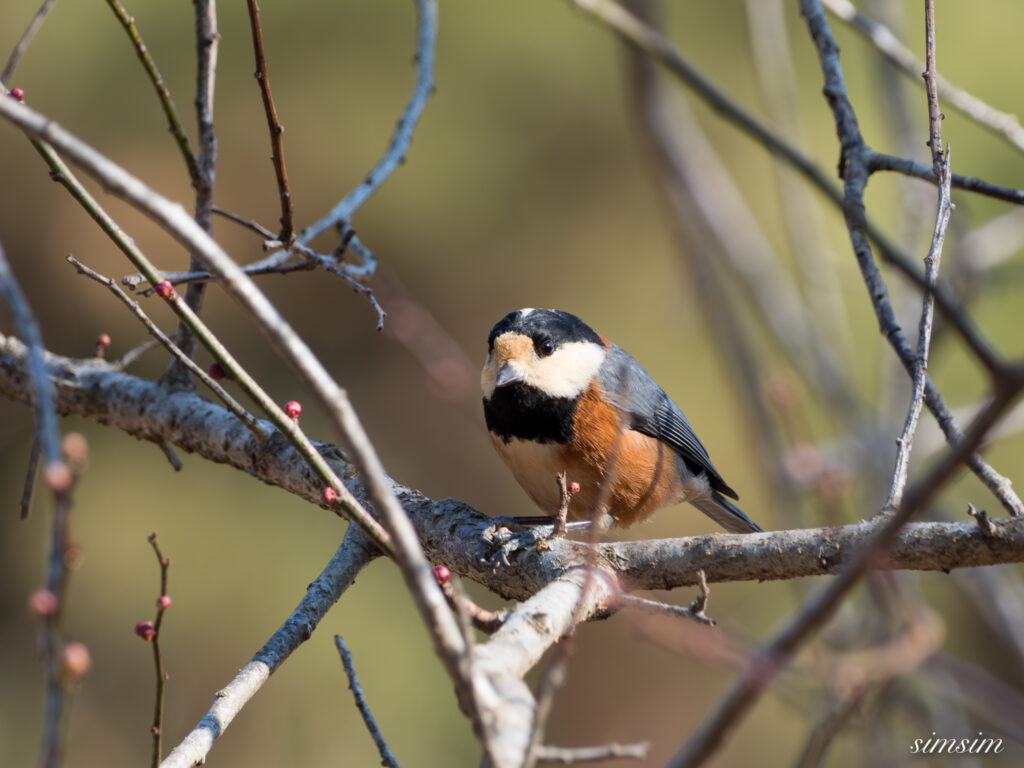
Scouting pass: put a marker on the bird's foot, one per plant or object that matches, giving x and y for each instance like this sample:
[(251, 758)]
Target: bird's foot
[(506, 536)]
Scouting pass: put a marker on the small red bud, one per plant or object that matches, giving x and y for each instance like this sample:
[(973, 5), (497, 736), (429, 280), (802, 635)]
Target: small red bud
[(216, 372), (42, 603), (163, 602), (58, 476), (145, 630), (164, 289), (103, 340), (574, 488), (18, 94), (293, 408), (441, 574), (329, 495), (75, 661)]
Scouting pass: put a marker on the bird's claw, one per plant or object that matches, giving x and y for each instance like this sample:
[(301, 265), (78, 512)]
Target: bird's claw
[(505, 537)]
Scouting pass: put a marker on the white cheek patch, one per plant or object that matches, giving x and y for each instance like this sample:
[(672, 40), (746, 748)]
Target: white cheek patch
[(569, 371)]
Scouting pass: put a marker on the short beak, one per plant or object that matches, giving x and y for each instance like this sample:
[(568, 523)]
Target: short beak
[(506, 375)]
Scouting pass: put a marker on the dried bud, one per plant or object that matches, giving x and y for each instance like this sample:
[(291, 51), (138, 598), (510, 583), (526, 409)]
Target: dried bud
[(329, 495), (164, 289), (574, 488), (42, 603), (74, 661), (441, 574), (18, 94), (293, 408), (76, 449), (216, 372), (163, 602), (145, 630)]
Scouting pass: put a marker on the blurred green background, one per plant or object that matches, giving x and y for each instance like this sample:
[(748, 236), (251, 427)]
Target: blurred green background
[(527, 184)]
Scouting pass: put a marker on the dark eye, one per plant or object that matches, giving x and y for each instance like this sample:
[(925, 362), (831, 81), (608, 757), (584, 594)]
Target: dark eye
[(545, 347)]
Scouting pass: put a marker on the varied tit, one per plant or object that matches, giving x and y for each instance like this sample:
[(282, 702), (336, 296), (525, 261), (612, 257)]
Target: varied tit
[(560, 398)]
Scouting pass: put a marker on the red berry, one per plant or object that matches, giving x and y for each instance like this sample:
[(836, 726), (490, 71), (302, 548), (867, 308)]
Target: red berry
[(145, 630), (164, 289), (574, 488), (75, 661), (329, 495), (441, 574), (163, 602), (293, 408), (18, 94), (103, 340), (42, 603), (216, 372)]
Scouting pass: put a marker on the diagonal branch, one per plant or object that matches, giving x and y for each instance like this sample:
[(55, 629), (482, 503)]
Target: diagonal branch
[(354, 554), (276, 129)]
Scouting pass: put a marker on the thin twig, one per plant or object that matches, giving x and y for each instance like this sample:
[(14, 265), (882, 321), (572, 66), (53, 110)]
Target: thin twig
[(879, 161), (387, 757), (23, 42), (207, 45), (426, 40), (255, 226), (229, 402), (274, 124), (166, 102), (941, 162), (134, 354), (30, 476), (172, 457), (162, 604), (571, 755), (694, 611), (482, 619)]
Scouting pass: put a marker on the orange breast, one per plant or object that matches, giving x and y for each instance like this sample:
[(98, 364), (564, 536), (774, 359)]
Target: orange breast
[(645, 476)]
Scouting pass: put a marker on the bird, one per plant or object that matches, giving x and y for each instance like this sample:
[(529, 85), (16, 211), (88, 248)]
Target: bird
[(560, 398)]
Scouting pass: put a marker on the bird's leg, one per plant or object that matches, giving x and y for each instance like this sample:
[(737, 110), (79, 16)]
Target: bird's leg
[(500, 541)]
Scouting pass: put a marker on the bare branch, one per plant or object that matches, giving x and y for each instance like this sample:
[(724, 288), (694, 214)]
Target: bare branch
[(940, 161), (166, 102), (572, 755), (426, 34), (276, 129), (30, 477), (386, 756), (24, 41), (354, 554), (207, 44)]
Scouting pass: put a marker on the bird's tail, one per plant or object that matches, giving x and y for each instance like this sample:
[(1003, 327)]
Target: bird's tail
[(726, 514)]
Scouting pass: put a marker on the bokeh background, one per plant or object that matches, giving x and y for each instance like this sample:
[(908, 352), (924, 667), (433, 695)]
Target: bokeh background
[(527, 184)]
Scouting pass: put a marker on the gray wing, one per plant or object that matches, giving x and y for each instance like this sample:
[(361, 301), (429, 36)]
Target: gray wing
[(650, 411)]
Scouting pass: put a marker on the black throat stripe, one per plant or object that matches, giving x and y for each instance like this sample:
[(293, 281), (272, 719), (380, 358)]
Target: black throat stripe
[(520, 411)]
